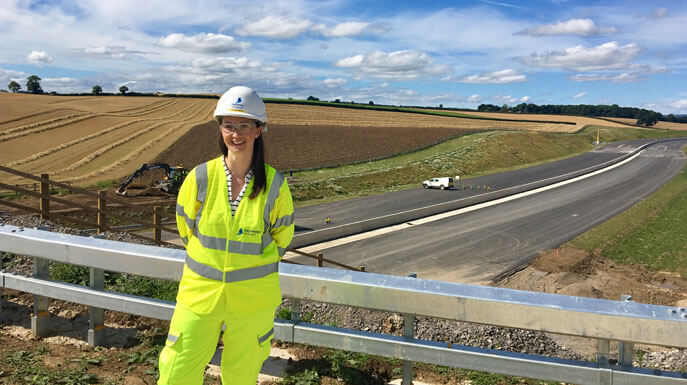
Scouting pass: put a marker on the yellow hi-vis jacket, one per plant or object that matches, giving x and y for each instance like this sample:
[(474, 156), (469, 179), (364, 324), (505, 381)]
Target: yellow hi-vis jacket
[(232, 259)]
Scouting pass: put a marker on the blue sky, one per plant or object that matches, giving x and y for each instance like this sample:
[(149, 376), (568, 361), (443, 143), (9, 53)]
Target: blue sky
[(455, 53)]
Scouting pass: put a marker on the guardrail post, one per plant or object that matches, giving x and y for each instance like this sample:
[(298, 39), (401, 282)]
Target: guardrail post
[(295, 309), (40, 316), (625, 349), (45, 196), (603, 352), (157, 233), (96, 315), (102, 216), (319, 259), (408, 332)]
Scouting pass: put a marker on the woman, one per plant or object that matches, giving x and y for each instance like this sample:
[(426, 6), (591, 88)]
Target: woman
[(235, 216)]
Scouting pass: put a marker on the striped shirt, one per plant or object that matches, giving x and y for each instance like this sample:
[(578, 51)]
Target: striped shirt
[(235, 204)]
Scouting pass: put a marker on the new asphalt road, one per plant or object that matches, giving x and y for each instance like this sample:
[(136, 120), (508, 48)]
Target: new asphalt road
[(476, 245)]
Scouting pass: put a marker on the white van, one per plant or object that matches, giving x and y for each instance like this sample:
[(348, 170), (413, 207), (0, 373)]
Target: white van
[(442, 183)]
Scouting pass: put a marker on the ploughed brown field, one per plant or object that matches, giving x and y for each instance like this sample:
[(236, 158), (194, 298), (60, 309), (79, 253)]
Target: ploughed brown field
[(85, 139), (303, 147), (304, 136)]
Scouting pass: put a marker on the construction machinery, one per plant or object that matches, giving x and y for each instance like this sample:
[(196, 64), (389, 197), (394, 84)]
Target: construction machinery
[(170, 184)]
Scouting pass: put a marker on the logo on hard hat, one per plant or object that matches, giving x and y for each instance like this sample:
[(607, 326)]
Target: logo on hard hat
[(238, 104)]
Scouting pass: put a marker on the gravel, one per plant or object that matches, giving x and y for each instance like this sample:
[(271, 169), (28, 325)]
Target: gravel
[(449, 332)]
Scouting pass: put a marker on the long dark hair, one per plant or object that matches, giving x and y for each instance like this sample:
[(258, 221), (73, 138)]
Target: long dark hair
[(257, 163)]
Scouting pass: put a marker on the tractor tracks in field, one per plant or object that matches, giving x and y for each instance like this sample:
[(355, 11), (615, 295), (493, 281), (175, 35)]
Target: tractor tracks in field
[(108, 130), (174, 126)]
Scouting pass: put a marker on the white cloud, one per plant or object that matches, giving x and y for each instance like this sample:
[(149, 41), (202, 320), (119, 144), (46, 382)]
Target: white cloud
[(660, 13), (6, 76), (524, 99), (350, 28), (680, 105), (625, 77), (11, 75), (475, 99), (399, 65), (226, 64), (202, 43), (583, 27), (503, 99), (334, 83), (278, 27), (500, 4), (113, 52), (497, 77), (606, 56), (581, 94), (396, 96), (39, 57)]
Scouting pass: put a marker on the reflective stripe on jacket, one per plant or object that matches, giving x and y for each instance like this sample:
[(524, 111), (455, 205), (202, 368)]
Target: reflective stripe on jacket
[(232, 259)]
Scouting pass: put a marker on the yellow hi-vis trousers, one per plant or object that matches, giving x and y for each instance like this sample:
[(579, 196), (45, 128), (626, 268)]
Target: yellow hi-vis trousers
[(192, 342)]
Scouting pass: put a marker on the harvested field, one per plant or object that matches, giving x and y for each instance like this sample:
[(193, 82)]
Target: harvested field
[(660, 125), (86, 139), (304, 115), (580, 121)]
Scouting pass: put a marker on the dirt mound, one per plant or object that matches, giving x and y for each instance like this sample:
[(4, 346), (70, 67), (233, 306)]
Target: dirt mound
[(577, 272)]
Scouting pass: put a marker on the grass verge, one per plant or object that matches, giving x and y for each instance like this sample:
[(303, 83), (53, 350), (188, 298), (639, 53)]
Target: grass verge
[(650, 233)]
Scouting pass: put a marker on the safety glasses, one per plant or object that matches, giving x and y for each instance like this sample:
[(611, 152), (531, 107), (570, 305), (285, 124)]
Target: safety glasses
[(242, 128)]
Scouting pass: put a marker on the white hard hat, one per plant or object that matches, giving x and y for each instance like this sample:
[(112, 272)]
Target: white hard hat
[(243, 102)]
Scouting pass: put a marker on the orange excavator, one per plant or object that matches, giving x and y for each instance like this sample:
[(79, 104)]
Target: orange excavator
[(170, 184)]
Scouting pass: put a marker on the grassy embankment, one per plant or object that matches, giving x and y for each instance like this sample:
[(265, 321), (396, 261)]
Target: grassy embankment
[(651, 233), (467, 156)]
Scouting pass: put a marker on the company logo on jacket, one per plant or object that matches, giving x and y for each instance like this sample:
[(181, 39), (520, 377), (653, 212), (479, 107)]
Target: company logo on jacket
[(238, 104), (248, 232)]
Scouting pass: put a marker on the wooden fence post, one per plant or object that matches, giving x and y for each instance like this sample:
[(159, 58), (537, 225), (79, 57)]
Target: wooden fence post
[(102, 216), (319, 259), (156, 224), (45, 196)]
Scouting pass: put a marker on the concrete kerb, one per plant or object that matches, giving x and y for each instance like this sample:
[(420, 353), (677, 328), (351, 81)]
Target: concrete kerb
[(313, 237)]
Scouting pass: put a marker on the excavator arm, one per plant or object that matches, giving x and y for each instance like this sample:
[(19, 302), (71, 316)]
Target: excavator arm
[(142, 170)]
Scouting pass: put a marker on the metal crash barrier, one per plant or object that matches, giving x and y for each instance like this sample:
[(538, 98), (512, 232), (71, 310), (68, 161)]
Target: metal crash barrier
[(604, 320)]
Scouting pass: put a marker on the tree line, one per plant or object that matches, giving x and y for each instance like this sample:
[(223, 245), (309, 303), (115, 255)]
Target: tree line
[(33, 86), (644, 117)]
